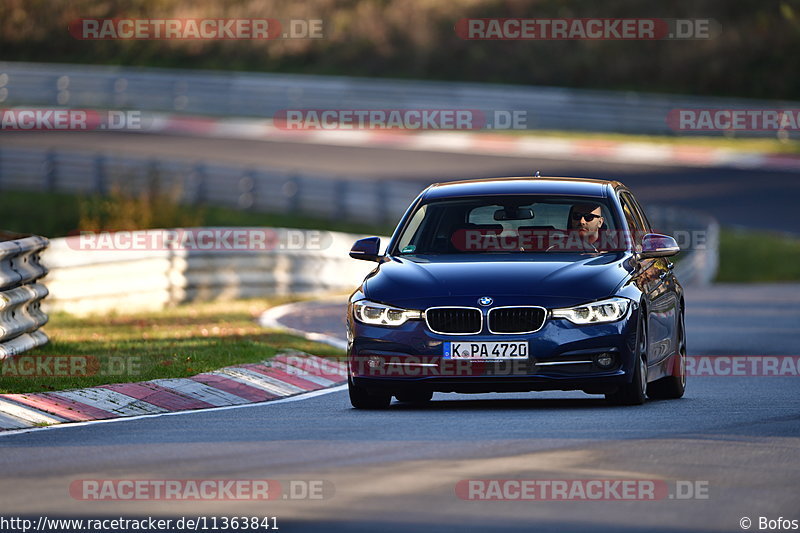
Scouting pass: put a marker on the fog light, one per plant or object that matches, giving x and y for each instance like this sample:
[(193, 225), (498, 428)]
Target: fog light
[(374, 362), (605, 360)]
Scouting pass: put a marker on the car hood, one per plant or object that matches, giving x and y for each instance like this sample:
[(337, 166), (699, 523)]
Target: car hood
[(550, 280)]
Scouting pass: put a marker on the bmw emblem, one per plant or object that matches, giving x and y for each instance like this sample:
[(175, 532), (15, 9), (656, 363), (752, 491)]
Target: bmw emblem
[(485, 300)]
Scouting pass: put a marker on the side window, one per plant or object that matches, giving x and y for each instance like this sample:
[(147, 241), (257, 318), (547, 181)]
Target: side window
[(413, 228), (635, 223), (640, 212)]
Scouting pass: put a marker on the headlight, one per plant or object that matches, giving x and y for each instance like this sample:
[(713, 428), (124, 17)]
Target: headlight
[(383, 315), (609, 310)]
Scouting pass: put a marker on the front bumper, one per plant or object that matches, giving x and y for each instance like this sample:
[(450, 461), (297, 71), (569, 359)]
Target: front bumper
[(562, 356)]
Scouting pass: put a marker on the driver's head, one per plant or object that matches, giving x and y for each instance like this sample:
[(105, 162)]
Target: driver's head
[(587, 218)]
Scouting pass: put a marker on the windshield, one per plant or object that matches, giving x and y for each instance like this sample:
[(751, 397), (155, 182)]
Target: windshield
[(511, 224)]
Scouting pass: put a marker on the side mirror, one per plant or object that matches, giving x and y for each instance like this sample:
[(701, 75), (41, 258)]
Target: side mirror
[(367, 249), (656, 245)]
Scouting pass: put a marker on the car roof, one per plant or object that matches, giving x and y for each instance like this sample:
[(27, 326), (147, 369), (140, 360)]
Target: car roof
[(522, 185)]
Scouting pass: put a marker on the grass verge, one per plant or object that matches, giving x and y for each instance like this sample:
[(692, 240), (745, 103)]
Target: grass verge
[(757, 256), (174, 343)]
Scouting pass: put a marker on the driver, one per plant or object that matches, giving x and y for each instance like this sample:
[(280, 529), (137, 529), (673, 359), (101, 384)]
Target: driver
[(587, 219)]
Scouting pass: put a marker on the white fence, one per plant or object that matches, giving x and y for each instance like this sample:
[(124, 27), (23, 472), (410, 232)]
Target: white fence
[(20, 294)]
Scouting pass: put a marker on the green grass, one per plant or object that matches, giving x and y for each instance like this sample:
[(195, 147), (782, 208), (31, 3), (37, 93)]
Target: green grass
[(756, 256), (59, 214), (56, 213), (174, 343)]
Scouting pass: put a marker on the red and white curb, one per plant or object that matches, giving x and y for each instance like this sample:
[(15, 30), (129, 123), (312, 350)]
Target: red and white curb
[(477, 143), (285, 375)]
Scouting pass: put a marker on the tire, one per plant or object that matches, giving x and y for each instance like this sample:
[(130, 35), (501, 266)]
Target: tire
[(634, 393), (360, 398), (673, 387), (415, 397)]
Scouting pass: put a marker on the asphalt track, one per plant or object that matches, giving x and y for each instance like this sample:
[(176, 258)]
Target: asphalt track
[(764, 199), (398, 470)]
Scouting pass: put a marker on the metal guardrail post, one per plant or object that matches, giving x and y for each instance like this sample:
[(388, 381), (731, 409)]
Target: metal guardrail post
[(292, 189), (99, 168), (200, 192), (382, 201), (341, 199), (50, 171), (247, 189)]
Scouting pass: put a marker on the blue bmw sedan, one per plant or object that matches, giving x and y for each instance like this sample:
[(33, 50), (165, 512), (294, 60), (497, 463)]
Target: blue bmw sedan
[(518, 284)]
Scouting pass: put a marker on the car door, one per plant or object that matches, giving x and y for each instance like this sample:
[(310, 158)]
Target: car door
[(661, 290), (671, 298)]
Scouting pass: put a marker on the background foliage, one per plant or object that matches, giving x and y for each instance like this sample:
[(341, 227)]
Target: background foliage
[(754, 56)]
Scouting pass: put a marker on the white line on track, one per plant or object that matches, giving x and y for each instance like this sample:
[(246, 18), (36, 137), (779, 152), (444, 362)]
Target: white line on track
[(271, 319)]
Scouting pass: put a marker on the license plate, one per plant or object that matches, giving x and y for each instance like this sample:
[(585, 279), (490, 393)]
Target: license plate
[(486, 350)]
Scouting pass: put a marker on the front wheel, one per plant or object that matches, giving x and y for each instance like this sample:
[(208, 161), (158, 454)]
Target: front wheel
[(635, 392), (360, 398)]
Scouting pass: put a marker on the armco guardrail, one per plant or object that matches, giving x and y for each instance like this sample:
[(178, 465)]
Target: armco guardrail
[(20, 294), (263, 95), (697, 235), (240, 187), (85, 279)]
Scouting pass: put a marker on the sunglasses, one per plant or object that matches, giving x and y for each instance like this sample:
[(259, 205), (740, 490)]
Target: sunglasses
[(588, 216)]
